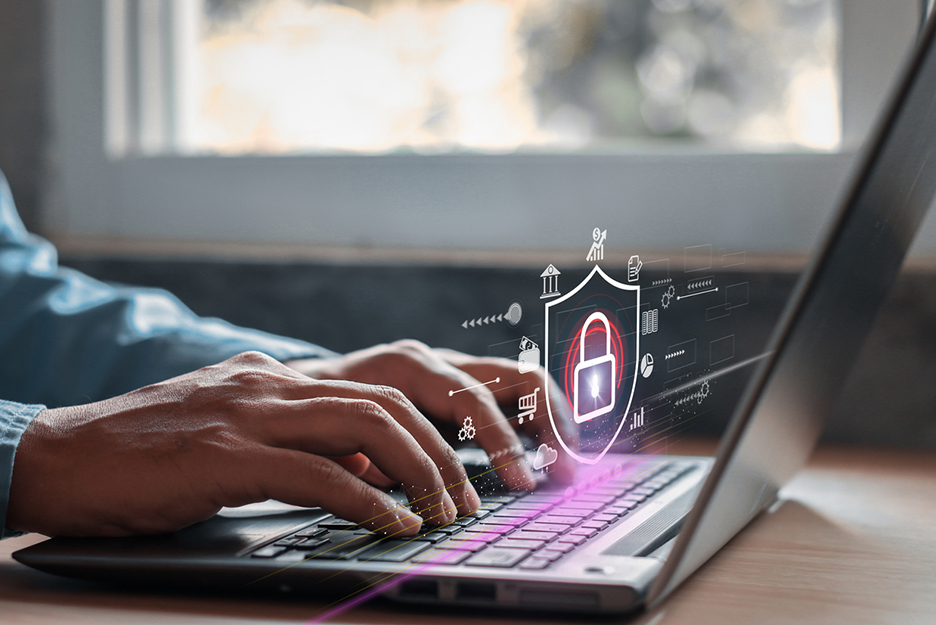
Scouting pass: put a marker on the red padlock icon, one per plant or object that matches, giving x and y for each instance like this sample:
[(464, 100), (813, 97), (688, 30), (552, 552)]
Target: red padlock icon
[(593, 390)]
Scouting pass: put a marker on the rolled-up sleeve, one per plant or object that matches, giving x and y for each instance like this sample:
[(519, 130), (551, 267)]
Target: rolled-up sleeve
[(14, 419), (68, 339)]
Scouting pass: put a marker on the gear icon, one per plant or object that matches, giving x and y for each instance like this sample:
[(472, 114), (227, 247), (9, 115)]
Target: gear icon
[(667, 296), (467, 431), (703, 391)]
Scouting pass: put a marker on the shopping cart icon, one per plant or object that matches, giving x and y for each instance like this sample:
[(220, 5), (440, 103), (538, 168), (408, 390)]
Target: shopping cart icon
[(527, 406)]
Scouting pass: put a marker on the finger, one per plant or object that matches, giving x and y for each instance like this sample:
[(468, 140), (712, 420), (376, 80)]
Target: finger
[(356, 464), (314, 481), (461, 491), (338, 426), (428, 379), (545, 422), (376, 477)]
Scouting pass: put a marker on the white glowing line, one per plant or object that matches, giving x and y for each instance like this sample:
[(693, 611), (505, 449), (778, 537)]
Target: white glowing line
[(679, 297), (468, 388)]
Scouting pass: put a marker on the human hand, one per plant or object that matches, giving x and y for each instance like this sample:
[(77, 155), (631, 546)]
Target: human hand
[(426, 376), (246, 430)]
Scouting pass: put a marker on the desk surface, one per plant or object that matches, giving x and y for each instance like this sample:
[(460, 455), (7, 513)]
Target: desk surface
[(854, 541)]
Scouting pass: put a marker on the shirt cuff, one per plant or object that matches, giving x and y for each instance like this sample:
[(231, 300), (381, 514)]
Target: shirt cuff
[(14, 419)]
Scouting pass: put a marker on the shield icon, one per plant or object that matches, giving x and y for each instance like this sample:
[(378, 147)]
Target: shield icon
[(592, 351)]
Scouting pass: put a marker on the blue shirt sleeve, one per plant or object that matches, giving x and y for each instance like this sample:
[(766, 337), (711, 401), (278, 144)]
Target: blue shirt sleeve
[(68, 339), (14, 419)]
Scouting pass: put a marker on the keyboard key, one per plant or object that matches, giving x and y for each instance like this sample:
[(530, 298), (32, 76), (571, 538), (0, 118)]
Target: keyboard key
[(314, 532), (604, 517), (429, 537), (578, 505), (480, 513), (393, 551), (523, 534), (290, 541), (546, 498), (535, 563), (497, 557), (310, 544), (616, 510), (587, 532), (447, 530), (498, 530), (512, 543), (469, 544), (292, 557), (549, 528), (573, 539), (510, 513), (631, 499), (529, 505), (447, 556), (465, 521), (595, 497), (496, 499), (343, 545), (552, 556), (493, 521), (270, 551), (595, 525), (564, 521), (559, 547), (338, 524)]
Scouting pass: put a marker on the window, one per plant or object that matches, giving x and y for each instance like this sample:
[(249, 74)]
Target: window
[(294, 76), (191, 120)]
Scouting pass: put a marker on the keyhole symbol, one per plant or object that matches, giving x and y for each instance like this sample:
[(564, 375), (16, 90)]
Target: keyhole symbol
[(594, 386)]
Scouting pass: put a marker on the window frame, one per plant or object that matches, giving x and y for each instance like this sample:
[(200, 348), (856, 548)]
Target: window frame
[(762, 202)]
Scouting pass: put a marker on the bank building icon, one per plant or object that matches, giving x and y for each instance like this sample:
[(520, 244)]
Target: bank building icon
[(550, 282)]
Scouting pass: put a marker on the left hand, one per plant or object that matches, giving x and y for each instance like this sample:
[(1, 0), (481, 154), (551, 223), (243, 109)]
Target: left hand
[(426, 376)]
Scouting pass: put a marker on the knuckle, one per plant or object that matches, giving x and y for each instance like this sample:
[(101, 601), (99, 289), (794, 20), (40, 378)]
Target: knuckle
[(251, 378), (412, 346), (451, 458), (372, 414), (253, 358), (325, 471), (392, 394)]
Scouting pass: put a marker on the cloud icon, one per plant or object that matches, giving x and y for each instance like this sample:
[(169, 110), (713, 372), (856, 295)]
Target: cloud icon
[(545, 456)]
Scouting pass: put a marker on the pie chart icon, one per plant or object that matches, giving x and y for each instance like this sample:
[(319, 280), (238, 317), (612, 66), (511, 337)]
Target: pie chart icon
[(646, 365)]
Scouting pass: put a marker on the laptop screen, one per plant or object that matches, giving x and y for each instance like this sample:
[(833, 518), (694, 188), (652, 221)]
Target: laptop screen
[(826, 322)]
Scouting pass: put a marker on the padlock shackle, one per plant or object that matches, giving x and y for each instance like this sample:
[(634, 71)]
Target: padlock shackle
[(596, 316)]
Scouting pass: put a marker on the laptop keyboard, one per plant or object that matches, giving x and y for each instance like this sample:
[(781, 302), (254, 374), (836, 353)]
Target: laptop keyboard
[(522, 530)]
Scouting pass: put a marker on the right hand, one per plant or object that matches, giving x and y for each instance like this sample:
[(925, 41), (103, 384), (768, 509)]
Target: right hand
[(246, 430)]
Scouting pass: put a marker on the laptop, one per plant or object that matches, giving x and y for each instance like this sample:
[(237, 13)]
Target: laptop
[(634, 526)]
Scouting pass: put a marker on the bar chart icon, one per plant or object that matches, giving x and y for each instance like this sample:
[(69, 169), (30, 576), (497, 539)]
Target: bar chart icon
[(638, 420)]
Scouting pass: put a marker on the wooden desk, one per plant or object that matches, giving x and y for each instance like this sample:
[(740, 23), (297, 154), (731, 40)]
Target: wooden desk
[(853, 542)]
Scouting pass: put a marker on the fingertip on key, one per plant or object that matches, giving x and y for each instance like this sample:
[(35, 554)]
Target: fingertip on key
[(519, 476), (406, 524)]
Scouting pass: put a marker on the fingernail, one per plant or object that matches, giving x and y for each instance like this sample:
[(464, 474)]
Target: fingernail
[(471, 497), (465, 497), (522, 475), (406, 524), (449, 510)]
